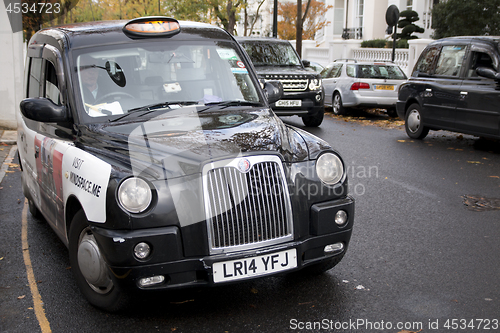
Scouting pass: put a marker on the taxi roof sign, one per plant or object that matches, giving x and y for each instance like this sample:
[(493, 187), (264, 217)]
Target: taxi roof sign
[(153, 26)]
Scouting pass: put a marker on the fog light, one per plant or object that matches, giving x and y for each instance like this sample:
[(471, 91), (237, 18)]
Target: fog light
[(149, 281), (337, 247), (318, 97), (142, 250), (341, 217)]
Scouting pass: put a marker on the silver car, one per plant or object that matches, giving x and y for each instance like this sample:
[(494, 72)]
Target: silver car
[(349, 83)]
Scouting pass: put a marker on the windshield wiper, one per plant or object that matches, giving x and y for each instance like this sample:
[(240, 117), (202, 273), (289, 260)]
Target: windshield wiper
[(153, 107), (225, 104)]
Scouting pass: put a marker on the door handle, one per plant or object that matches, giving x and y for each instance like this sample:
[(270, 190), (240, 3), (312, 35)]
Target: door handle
[(37, 151)]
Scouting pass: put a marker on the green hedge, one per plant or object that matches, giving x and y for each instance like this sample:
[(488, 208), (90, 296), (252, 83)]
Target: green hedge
[(383, 43)]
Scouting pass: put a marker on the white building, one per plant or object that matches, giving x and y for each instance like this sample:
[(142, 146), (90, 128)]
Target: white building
[(12, 68), (363, 19)]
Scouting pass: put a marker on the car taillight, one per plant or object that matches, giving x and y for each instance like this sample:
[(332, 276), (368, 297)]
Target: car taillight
[(360, 85)]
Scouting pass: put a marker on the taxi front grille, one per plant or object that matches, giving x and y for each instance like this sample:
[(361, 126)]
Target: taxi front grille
[(245, 209)]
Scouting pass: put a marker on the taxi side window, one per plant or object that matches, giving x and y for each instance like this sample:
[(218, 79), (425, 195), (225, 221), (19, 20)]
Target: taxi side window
[(51, 87), (35, 77), (450, 60), (424, 64), (479, 59)]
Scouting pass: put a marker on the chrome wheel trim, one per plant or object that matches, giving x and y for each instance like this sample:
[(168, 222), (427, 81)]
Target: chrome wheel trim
[(414, 121), (336, 103), (91, 263)]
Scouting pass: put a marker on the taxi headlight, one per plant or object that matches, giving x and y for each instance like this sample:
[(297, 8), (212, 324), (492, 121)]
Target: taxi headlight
[(134, 194), (329, 168)]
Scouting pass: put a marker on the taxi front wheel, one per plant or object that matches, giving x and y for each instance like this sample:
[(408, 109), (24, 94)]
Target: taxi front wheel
[(413, 123), (91, 272)]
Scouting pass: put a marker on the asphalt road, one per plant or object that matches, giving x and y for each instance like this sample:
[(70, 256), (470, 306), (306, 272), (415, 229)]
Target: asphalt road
[(420, 259)]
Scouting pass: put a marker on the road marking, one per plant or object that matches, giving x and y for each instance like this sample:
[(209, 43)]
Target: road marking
[(37, 299), (8, 159)]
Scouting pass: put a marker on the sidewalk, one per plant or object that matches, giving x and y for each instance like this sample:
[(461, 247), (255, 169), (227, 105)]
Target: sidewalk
[(7, 143)]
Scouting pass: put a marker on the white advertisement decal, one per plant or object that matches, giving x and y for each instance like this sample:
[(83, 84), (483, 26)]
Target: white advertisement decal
[(86, 177)]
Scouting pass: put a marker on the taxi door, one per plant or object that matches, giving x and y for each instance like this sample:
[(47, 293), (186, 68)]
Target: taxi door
[(43, 149), (478, 107), (441, 94)]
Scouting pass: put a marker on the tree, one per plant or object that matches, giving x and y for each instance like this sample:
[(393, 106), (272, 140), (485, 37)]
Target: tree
[(253, 18), (406, 23), (466, 18), (311, 23)]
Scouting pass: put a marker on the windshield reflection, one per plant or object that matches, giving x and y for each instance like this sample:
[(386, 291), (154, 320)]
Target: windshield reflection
[(115, 79)]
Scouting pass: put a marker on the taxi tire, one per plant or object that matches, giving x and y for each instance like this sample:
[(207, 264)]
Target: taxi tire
[(413, 123), (34, 211), (323, 266), (112, 301), (391, 112), (314, 121)]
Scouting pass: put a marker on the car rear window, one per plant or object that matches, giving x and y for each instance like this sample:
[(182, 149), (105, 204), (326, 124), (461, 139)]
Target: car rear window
[(380, 72)]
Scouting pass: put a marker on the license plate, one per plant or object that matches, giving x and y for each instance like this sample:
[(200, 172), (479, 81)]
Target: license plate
[(384, 87), (286, 102), (254, 266)]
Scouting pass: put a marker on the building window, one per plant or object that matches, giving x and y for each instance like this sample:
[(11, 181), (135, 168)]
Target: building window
[(359, 13), (338, 17), (409, 4)]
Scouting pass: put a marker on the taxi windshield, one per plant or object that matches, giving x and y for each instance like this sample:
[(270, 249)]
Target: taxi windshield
[(116, 79)]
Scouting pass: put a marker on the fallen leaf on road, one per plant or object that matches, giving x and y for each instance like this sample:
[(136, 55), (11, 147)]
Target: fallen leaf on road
[(254, 291), (494, 177), (474, 162), (21, 297), (401, 140)]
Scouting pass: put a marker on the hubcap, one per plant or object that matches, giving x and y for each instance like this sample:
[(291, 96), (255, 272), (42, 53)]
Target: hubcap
[(336, 103), (91, 263), (413, 121)]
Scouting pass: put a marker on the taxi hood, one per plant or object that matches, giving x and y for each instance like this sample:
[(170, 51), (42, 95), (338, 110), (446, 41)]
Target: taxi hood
[(180, 142)]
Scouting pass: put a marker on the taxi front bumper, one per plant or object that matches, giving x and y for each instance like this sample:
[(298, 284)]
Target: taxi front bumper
[(171, 269)]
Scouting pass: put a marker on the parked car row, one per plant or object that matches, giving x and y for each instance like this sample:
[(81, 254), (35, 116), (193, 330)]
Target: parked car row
[(455, 86)]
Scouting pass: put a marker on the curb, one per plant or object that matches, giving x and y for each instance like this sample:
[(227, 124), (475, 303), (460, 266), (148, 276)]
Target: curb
[(8, 137), (8, 160)]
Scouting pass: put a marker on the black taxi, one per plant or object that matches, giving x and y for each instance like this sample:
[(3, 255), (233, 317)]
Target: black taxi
[(454, 86), (150, 148)]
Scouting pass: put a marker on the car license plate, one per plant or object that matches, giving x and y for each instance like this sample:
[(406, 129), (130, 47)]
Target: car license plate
[(384, 87), (254, 266), (286, 102)]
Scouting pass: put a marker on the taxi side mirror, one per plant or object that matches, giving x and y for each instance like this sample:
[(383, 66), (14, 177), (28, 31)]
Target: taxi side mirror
[(43, 110), (488, 73), (273, 90)]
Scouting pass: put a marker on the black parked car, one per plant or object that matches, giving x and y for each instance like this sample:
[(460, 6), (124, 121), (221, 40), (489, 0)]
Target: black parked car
[(150, 148), (276, 59), (455, 86)]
